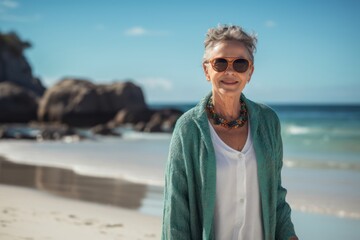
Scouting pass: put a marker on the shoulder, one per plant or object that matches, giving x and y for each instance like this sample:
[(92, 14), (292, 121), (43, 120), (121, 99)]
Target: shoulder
[(263, 112), (187, 121)]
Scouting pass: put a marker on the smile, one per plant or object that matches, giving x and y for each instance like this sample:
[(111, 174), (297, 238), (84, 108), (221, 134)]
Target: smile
[(229, 82)]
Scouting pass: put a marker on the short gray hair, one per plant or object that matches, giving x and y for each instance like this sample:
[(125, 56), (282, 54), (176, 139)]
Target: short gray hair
[(225, 32)]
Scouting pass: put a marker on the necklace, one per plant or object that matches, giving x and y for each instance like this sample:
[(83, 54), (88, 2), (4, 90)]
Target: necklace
[(219, 120)]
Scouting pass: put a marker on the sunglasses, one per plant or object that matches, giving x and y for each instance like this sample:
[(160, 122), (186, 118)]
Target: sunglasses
[(240, 65)]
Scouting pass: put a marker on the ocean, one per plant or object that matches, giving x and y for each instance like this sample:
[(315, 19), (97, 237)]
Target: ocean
[(321, 158)]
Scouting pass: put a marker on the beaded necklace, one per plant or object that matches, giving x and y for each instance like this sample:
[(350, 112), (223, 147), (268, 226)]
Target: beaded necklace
[(219, 120)]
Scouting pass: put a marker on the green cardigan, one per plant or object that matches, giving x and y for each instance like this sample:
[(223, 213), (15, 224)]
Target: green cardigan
[(190, 177)]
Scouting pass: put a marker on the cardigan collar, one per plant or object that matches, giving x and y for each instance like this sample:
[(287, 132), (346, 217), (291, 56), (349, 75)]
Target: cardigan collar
[(200, 116)]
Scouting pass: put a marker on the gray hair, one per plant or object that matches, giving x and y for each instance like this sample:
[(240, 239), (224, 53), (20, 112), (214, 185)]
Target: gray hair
[(225, 32)]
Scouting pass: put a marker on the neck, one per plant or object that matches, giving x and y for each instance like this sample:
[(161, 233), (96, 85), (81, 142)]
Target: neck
[(227, 106)]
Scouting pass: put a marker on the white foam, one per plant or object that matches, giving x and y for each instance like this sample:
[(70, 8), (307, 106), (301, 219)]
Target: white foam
[(320, 209), (297, 130), (318, 164)]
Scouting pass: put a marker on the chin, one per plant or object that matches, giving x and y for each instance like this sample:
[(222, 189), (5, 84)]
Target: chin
[(230, 92)]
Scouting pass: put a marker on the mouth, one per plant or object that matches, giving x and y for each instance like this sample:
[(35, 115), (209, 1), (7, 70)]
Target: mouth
[(229, 82)]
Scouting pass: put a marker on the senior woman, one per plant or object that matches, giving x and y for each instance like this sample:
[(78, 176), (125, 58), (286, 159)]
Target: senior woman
[(223, 175)]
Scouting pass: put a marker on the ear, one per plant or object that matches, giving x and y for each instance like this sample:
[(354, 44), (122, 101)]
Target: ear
[(205, 68)]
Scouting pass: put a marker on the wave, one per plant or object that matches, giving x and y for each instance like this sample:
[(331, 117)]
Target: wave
[(319, 209), (340, 131), (142, 135), (298, 130), (316, 164)]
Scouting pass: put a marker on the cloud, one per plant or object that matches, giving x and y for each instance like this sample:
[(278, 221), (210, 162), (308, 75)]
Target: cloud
[(9, 3), (16, 18), (270, 23), (140, 31), (7, 8), (136, 31), (156, 83)]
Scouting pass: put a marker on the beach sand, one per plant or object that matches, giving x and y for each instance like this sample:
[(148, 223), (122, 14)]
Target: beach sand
[(31, 214), (39, 202)]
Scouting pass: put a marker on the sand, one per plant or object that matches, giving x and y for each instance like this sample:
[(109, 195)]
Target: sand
[(31, 214), (38, 202)]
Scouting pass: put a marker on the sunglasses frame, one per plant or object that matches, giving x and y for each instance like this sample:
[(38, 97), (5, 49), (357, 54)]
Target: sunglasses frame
[(230, 60)]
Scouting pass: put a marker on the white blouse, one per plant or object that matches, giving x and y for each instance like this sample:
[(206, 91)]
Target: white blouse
[(237, 206)]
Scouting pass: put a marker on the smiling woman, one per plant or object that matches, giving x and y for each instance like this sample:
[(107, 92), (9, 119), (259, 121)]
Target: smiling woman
[(223, 175)]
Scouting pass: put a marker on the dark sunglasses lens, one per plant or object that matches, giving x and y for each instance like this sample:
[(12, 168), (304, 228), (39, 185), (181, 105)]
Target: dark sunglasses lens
[(220, 64), (241, 65)]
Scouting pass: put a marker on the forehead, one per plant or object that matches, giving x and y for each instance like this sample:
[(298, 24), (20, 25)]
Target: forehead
[(229, 49)]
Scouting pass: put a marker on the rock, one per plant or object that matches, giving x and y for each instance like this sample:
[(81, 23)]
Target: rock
[(154, 125), (34, 131), (169, 124), (16, 132), (79, 102), (14, 67), (57, 133), (133, 116), (104, 129), (140, 126), (16, 104), (163, 120)]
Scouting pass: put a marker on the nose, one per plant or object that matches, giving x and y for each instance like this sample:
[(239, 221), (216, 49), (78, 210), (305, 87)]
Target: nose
[(230, 68)]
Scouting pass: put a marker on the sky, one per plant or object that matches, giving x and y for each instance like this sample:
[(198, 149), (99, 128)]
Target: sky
[(307, 52)]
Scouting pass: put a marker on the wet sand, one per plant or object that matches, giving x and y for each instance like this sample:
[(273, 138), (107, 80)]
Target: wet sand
[(67, 183), (39, 202)]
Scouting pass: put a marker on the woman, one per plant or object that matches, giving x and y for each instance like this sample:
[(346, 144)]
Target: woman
[(223, 176)]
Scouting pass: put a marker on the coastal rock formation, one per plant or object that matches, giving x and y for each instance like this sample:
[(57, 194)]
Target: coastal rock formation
[(133, 116), (16, 104), (73, 102), (163, 120), (14, 67), (105, 130), (38, 132), (79, 102), (149, 120)]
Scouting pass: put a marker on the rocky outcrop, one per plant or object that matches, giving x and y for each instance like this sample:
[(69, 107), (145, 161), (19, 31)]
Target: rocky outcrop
[(42, 132), (149, 120), (16, 104), (14, 67), (163, 121), (73, 102), (128, 116), (79, 102), (105, 130)]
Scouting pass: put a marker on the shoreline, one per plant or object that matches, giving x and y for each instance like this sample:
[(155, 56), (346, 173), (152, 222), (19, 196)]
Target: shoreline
[(327, 192), (67, 183)]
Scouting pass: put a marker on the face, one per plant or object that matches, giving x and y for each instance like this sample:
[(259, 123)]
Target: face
[(229, 82)]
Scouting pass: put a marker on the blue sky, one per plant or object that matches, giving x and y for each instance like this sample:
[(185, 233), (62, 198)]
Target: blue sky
[(308, 51)]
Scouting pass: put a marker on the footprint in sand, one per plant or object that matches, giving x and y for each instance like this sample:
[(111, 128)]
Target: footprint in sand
[(114, 225), (9, 211), (72, 216)]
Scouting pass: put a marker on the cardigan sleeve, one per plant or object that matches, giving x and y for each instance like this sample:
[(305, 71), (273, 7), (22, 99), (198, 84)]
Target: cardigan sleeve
[(284, 226), (176, 214)]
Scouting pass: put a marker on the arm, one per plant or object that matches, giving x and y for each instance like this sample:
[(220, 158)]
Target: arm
[(284, 226), (176, 207)]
